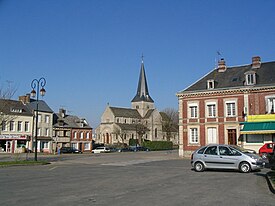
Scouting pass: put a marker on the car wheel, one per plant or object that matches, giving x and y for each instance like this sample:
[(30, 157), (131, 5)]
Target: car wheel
[(264, 155), (245, 167), (199, 167)]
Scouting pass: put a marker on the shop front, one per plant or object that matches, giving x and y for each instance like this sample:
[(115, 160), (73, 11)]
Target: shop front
[(14, 143)]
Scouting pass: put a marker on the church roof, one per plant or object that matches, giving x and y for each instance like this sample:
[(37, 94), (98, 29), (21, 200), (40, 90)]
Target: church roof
[(142, 90), (125, 112)]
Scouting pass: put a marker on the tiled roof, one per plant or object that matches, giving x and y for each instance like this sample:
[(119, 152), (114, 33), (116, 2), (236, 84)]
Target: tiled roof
[(42, 106), (13, 107), (234, 77), (125, 112), (69, 121)]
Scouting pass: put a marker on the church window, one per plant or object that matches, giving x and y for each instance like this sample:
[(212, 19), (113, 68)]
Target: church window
[(117, 120), (125, 121), (156, 132), (137, 107)]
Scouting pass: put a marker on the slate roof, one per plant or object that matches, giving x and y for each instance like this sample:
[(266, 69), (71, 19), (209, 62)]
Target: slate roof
[(69, 121), (142, 90), (234, 77), (125, 112), (42, 106), (13, 107)]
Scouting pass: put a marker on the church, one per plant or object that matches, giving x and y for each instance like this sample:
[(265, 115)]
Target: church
[(140, 122)]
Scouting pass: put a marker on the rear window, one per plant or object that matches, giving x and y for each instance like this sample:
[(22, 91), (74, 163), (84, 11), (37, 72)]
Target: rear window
[(201, 150)]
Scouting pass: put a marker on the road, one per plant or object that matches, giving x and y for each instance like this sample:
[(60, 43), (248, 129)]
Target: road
[(141, 178)]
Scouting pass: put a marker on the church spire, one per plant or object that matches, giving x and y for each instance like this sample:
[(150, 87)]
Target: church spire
[(142, 90)]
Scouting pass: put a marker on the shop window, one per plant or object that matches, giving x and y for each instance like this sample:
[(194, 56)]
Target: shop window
[(254, 138)]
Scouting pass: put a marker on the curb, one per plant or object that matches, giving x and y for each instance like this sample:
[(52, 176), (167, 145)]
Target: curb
[(270, 183)]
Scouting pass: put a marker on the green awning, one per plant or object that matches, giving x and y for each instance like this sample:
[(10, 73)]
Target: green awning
[(257, 127)]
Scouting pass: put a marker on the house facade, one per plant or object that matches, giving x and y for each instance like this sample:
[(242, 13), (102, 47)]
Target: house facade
[(71, 131), (141, 122), (44, 123), (218, 107), (16, 126)]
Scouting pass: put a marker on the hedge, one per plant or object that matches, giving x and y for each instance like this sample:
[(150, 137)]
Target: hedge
[(158, 145)]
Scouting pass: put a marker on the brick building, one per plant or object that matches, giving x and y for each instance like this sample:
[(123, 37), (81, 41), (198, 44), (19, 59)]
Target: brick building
[(222, 106)]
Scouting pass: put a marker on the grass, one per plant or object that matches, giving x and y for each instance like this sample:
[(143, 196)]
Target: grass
[(22, 162)]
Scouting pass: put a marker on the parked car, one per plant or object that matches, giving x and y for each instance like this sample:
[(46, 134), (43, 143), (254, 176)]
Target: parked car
[(69, 150), (225, 157), (124, 149), (266, 149), (139, 148), (101, 150), (244, 150)]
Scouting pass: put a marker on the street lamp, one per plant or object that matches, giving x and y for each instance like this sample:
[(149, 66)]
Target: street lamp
[(35, 85)]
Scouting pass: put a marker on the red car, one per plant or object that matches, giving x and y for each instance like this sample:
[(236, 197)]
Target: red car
[(266, 149)]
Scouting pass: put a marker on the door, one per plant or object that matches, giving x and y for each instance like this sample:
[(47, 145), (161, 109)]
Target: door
[(227, 158), (232, 137), (212, 135), (211, 158)]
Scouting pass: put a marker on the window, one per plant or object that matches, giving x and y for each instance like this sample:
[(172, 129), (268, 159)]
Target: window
[(86, 146), (11, 125), (44, 145), (47, 119), (211, 109), (211, 150), (19, 126), (231, 109), (74, 145), (75, 135), (4, 126), (194, 135), (81, 135), (254, 138), (27, 126), (210, 84), (193, 111), (156, 132), (47, 132), (270, 105), (88, 135), (38, 131), (39, 118), (117, 120), (250, 78), (224, 151)]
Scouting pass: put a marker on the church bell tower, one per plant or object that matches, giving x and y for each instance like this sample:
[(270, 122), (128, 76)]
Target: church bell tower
[(142, 101)]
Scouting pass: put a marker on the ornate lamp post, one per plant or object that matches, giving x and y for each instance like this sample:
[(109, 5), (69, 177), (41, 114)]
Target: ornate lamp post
[(36, 85)]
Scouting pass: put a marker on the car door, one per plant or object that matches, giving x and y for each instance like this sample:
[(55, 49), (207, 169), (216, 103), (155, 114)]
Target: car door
[(227, 158), (211, 158)]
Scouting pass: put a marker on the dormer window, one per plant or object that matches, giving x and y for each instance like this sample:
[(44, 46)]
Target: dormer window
[(250, 78), (210, 84)]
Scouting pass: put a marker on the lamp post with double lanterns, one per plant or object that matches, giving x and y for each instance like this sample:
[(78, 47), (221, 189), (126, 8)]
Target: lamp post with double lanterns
[(36, 84)]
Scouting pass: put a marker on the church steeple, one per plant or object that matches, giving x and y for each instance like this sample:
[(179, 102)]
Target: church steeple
[(142, 90), (142, 102)]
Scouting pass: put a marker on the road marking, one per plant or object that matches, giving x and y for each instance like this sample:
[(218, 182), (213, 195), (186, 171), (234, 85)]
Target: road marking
[(127, 163), (52, 168)]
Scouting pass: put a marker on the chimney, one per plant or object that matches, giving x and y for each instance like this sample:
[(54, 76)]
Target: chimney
[(256, 62), (25, 98), (62, 112), (221, 66)]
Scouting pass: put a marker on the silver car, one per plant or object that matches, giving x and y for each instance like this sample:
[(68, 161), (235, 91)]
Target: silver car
[(225, 157)]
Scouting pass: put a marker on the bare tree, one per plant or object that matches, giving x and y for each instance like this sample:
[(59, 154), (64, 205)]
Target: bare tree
[(140, 130), (170, 120), (119, 132), (5, 95)]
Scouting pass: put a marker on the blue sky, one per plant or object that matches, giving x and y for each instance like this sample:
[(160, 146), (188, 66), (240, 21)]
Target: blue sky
[(90, 51)]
